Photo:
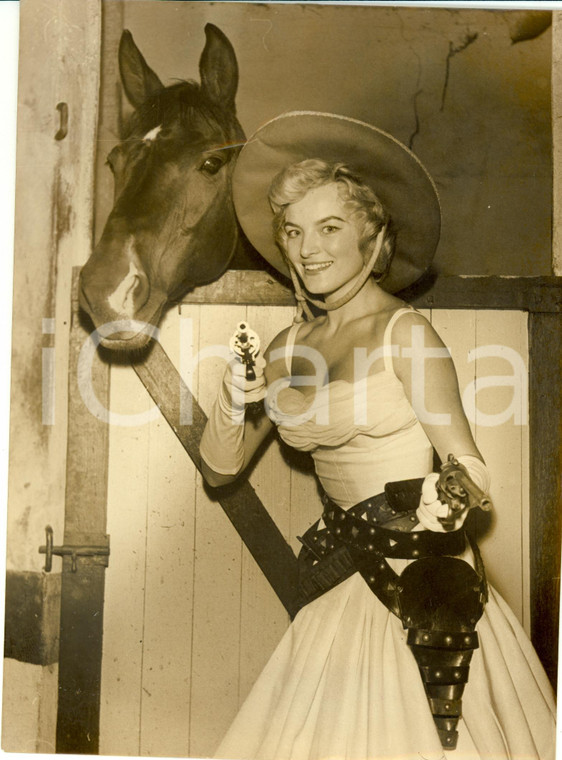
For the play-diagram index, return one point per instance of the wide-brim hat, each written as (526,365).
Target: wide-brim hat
(395,174)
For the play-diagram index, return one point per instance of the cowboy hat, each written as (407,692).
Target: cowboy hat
(398,178)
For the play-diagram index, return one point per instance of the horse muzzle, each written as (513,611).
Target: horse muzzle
(123,332)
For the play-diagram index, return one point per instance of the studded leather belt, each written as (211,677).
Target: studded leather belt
(371,538)
(354,539)
(438,598)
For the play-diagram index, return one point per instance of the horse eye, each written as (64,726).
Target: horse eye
(211,165)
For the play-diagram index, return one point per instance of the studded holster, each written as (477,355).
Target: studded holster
(439,598)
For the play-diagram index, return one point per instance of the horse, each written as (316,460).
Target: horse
(172,225)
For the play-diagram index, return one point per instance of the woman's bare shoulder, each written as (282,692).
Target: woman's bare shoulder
(402,330)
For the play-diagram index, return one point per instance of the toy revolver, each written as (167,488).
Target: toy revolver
(245,343)
(456,488)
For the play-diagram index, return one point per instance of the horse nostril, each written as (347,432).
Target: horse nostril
(137,293)
(139,290)
(131,293)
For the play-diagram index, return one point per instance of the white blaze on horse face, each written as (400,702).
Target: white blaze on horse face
(122,300)
(153,134)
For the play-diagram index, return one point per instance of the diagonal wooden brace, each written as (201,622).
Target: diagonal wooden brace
(242,505)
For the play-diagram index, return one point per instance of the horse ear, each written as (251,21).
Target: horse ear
(218,67)
(138,78)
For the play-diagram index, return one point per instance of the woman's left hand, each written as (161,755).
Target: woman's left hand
(432,511)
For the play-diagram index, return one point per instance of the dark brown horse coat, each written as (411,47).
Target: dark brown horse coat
(173,225)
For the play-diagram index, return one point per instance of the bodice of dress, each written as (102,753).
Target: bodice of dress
(361,435)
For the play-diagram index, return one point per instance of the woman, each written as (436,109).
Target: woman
(395,603)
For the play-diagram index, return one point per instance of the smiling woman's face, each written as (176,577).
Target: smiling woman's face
(322,241)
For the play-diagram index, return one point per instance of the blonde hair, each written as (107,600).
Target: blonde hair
(292,184)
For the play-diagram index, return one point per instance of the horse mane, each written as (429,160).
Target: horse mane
(183,102)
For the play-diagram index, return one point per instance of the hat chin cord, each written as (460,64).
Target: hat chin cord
(303,310)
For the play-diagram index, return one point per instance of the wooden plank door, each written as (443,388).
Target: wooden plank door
(193,599)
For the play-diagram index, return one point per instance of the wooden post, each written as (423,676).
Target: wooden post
(557,142)
(82,592)
(545,411)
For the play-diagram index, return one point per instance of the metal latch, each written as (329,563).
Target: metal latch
(72,551)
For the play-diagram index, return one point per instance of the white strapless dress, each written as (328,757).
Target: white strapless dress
(342,683)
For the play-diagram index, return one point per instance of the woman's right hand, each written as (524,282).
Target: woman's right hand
(237,391)
(227,443)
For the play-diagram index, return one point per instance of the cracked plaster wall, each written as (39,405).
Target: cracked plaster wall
(473,105)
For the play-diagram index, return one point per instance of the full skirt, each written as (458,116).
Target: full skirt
(343,684)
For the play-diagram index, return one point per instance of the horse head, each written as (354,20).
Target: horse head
(172,225)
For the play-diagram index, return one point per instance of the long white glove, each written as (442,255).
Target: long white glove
(222,443)
(431,508)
